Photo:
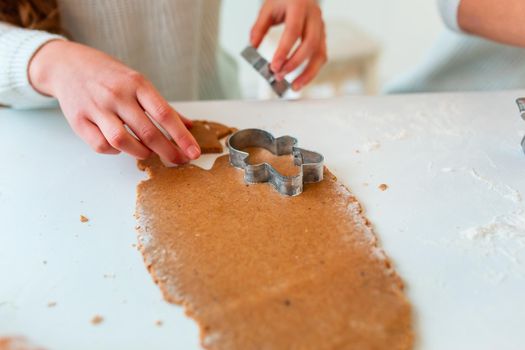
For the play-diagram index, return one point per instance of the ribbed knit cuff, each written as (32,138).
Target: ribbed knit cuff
(18,47)
(449,13)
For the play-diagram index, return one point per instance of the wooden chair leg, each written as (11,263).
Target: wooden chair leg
(369,76)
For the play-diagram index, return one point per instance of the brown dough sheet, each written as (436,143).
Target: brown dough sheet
(258,270)
(208,135)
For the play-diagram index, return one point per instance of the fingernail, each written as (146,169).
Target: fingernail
(193,151)
(297,86)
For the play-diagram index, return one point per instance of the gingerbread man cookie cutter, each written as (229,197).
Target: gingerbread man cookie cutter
(310,163)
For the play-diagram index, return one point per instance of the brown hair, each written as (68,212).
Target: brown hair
(32,14)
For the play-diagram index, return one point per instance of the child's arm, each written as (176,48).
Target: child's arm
(500,20)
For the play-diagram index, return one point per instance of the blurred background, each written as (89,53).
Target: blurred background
(369,42)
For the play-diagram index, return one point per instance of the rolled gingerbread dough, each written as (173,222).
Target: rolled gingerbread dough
(259,270)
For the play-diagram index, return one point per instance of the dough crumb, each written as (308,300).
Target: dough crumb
(52,304)
(96,320)
(159,323)
(383,187)
(83,218)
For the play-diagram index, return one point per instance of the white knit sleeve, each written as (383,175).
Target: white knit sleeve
(449,13)
(17,47)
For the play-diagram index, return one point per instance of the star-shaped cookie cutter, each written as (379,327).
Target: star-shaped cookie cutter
(310,163)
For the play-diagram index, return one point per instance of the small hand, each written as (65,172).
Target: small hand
(100,97)
(303,20)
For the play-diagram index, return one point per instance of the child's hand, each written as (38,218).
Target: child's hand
(99,95)
(302,20)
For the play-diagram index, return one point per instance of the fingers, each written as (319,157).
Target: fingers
(118,137)
(187,122)
(262,25)
(310,71)
(92,135)
(293,29)
(135,118)
(153,103)
(310,44)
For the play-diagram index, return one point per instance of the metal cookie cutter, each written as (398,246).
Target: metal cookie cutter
(521,106)
(311,163)
(261,65)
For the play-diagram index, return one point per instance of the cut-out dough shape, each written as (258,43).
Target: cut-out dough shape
(284,164)
(310,163)
(208,135)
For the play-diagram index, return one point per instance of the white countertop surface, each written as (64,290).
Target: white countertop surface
(451,161)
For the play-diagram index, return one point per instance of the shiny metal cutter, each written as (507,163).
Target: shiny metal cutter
(261,65)
(311,163)
(521,106)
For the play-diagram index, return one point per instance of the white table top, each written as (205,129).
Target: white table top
(452,162)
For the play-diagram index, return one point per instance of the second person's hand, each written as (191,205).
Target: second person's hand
(302,20)
(99,96)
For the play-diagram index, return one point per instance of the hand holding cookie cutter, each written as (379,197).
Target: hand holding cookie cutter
(311,163)
(261,65)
